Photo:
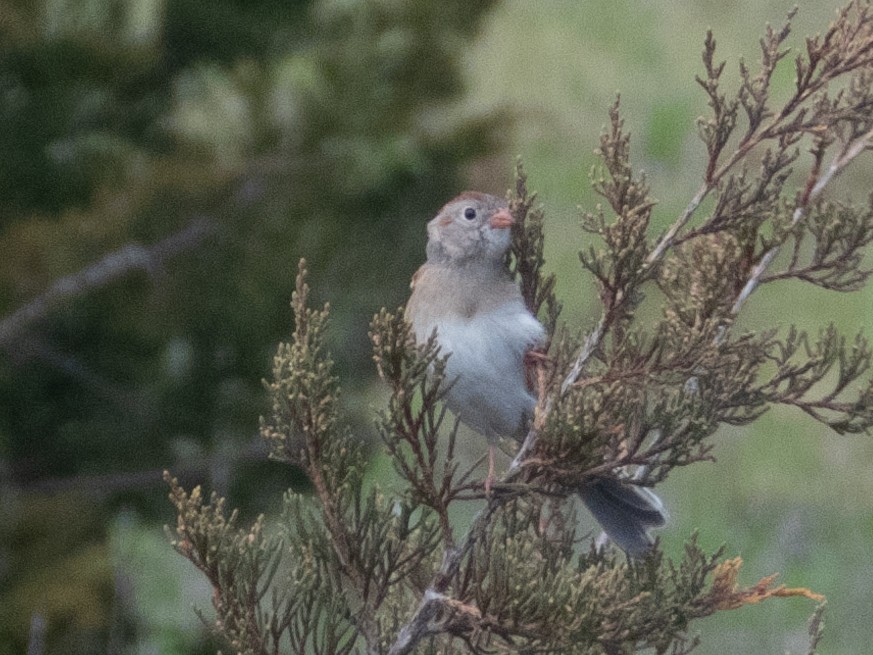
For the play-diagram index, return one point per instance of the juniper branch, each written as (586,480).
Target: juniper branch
(849,152)
(852,31)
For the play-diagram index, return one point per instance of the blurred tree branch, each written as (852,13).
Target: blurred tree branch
(107,484)
(117,264)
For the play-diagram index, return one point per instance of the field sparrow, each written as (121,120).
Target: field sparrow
(467,295)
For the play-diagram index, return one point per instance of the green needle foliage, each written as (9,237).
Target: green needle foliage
(360,569)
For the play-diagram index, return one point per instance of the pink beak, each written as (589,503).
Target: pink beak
(501,220)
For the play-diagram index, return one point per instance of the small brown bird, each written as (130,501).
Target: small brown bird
(467,295)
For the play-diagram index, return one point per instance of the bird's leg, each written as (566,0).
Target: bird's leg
(533,357)
(489,479)
(535,364)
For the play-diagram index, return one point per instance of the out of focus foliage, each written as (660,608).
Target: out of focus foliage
(276,126)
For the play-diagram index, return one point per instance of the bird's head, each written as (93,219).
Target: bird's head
(472,228)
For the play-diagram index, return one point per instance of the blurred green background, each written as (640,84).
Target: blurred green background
(252,133)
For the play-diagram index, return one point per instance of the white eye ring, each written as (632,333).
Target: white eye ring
(469,213)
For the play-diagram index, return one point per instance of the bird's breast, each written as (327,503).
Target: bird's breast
(483,325)
(486,367)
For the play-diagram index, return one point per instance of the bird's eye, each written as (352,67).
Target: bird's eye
(469,213)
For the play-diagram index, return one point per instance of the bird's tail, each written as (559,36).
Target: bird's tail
(626,512)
